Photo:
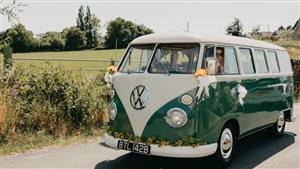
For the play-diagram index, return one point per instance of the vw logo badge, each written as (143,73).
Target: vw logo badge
(139,97)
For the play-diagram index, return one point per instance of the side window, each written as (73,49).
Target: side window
(261,63)
(246,61)
(273,62)
(226,62)
(284,61)
(230,63)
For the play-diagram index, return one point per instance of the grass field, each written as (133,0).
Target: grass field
(292,46)
(86,54)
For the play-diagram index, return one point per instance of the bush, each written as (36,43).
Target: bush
(49,100)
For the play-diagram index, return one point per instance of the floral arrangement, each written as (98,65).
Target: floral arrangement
(185,141)
(201,72)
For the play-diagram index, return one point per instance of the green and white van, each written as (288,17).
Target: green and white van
(167,98)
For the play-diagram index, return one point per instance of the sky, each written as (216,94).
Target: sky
(204,17)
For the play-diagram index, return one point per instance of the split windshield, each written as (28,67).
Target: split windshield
(168,58)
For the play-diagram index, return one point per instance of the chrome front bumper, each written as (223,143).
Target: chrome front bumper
(293,118)
(171,151)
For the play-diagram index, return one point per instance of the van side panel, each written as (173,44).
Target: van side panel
(214,110)
(261,103)
(266,97)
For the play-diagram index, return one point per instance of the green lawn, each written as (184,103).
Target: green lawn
(86,54)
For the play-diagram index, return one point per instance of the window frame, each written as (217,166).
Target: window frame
(277,61)
(265,57)
(252,60)
(159,44)
(235,52)
(215,47)
(203,52)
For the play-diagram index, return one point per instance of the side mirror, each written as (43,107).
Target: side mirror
(210,65)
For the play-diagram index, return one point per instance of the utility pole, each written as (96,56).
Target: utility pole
(268,27)
(188,27)
(116,44)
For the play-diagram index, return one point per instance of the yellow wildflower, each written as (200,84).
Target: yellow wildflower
(200,72)
(112,69)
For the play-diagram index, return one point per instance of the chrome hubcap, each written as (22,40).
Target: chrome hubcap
(226,143)
(280,122)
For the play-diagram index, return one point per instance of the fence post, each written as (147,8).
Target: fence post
(112,61)
(7,63)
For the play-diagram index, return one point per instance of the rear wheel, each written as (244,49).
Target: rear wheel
(226,146)
(278,128)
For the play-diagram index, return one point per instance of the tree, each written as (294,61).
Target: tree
(75,39)
(20,39)
(281,28)
(289,27)
(121,32)
(11,10)
(95,30)
(235,28)
(80,19)
(90,24)
(88,28)
(51,41)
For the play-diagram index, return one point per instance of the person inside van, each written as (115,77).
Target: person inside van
(220,60)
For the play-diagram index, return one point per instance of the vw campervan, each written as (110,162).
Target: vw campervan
(181,95)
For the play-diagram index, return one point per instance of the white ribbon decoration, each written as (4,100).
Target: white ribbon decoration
(204,82)
(242,92)
(109,78)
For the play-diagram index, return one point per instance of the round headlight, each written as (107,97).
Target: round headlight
(113,111)
(187,99)
(289,89)
(176,117)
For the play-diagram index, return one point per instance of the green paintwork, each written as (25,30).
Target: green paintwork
(207,115)
(263,102)
(157,126)
(221,105)
(121,123)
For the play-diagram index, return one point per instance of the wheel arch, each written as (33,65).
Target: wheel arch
(234,122)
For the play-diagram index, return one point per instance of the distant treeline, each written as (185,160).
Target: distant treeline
(85,35)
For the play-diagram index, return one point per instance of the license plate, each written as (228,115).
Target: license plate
(135,147)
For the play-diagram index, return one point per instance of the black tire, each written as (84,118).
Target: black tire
(277,129)
(224,160)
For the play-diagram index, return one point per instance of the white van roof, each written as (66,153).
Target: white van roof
(192,38)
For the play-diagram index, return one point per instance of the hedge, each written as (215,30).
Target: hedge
(50,100)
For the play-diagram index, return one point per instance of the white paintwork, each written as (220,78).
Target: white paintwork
(162,89)
(171,151)
(192,38)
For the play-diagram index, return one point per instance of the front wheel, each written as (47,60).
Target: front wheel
(278,128)
(226,146)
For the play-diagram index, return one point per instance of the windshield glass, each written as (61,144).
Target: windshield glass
(137,59)
(175,58)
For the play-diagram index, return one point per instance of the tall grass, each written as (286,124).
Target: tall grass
(49,100)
